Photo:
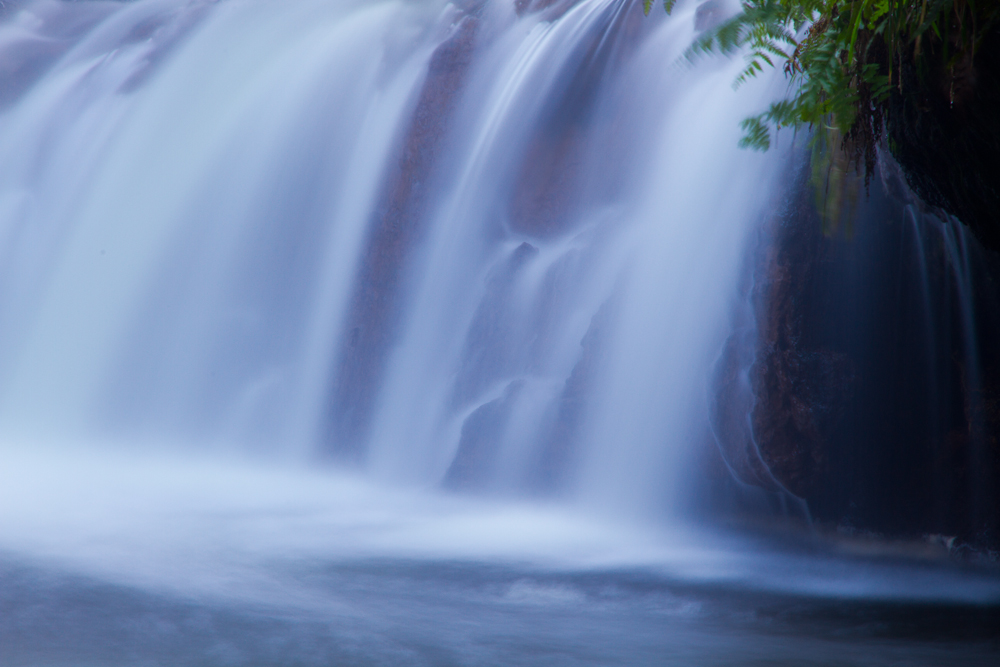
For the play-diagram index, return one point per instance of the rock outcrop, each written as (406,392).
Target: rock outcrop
(399,225)
(866,380)
(944,130)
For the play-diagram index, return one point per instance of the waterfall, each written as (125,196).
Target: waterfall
(486,246)
(415,332)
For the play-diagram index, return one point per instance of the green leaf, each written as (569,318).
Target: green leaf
(756,135)
(881,8)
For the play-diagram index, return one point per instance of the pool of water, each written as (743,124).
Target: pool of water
(391,612)
(122,559)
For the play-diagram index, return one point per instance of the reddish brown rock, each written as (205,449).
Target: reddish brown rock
(798,389)
(861,376)
(399,225)
(552,174)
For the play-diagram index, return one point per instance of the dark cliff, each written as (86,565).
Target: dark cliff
(944,130)
(868,385)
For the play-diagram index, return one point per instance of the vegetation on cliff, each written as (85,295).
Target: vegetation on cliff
(857,68)
(843,57)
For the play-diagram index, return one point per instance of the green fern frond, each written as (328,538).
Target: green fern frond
(839,57)
(756,134)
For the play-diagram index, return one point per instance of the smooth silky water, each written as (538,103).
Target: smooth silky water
(379,333)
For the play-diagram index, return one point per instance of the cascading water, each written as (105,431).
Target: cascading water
(195,190)
(490,248)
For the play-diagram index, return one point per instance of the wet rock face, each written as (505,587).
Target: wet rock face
(540,201)
(480,442)
(945,132)
(864,377)
(545,196)
(398,227)
(779,390)
(559,451)
(800,387)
